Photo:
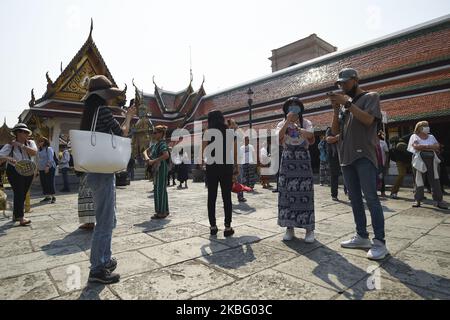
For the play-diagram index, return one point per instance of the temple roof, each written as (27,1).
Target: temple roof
(163,103)
(5,134)
(71,84)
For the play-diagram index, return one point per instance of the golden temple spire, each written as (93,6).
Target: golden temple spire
(33,99)
(49,81)
(92,28)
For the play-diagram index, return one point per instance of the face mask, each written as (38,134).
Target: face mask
(426,130)
(295,109)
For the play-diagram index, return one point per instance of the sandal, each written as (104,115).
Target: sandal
(213,230)
(24,223)
(228,232)
(158,216)
(87,226)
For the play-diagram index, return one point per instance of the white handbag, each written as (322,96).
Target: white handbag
(97,152)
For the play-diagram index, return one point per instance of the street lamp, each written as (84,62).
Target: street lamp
(250,102)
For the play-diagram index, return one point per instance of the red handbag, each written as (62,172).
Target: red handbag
(237,187)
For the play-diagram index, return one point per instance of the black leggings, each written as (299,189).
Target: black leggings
(48,182)
(20,186)
(222,174)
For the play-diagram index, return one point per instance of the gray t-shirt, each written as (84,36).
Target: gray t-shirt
(356,139)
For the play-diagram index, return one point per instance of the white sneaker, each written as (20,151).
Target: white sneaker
(309,237)
(357,242)
(378,251)
(290,234)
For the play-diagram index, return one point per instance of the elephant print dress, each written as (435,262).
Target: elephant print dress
(295,181)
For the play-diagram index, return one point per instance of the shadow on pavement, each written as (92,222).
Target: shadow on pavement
(229,258)
(79,241)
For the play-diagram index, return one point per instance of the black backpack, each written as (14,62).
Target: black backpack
(55,158)
(71,161)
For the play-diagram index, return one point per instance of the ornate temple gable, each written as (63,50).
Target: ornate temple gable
(71,83)
(192,102)
(172,102)
(75,87)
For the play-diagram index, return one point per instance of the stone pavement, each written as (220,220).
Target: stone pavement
(177,259)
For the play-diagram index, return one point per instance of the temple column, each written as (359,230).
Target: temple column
(54,143)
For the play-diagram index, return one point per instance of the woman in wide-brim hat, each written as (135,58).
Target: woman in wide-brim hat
(159,153)
(21,148)
(101,94)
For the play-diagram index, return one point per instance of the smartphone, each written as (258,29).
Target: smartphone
(131,102)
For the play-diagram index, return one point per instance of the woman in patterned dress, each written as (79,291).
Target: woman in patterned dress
(86,211)
(295,182)
(159,153)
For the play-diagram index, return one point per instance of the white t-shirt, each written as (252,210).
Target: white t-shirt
(292,136)
(18,153)
(176,159)
(264,156)
(246,154)
(415,138)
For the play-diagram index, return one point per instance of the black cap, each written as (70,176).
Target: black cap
(347,74)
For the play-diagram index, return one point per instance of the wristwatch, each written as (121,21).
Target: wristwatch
(348,104)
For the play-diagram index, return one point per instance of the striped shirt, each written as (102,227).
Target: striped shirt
(106,122)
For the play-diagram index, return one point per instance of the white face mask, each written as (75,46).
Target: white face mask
(426,130)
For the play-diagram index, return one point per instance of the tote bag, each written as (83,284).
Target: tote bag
(97,152)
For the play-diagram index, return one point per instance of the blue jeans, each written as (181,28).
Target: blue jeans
(103,188)
(362,175)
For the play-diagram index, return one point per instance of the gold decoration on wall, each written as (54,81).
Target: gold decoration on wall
(78,84)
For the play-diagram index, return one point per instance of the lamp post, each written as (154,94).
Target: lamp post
(250,102)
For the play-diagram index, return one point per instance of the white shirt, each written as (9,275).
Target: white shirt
(176,159)
(18,153)
(185,159)
(246,154)
(292,136)
(263,156)
(415,138)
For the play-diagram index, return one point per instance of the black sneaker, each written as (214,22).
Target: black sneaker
(104,277)
(213,230)
(53,200)
(111,265)
(228,233)
(46,199)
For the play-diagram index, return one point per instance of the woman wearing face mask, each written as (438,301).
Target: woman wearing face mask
(295,182)
(425,162)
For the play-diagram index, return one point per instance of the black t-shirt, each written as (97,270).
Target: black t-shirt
(226,159)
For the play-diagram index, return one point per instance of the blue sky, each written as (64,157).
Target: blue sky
(230,40)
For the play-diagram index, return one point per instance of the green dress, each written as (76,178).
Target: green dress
(160,178)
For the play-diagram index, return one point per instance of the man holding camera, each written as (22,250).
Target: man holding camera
(356,117)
